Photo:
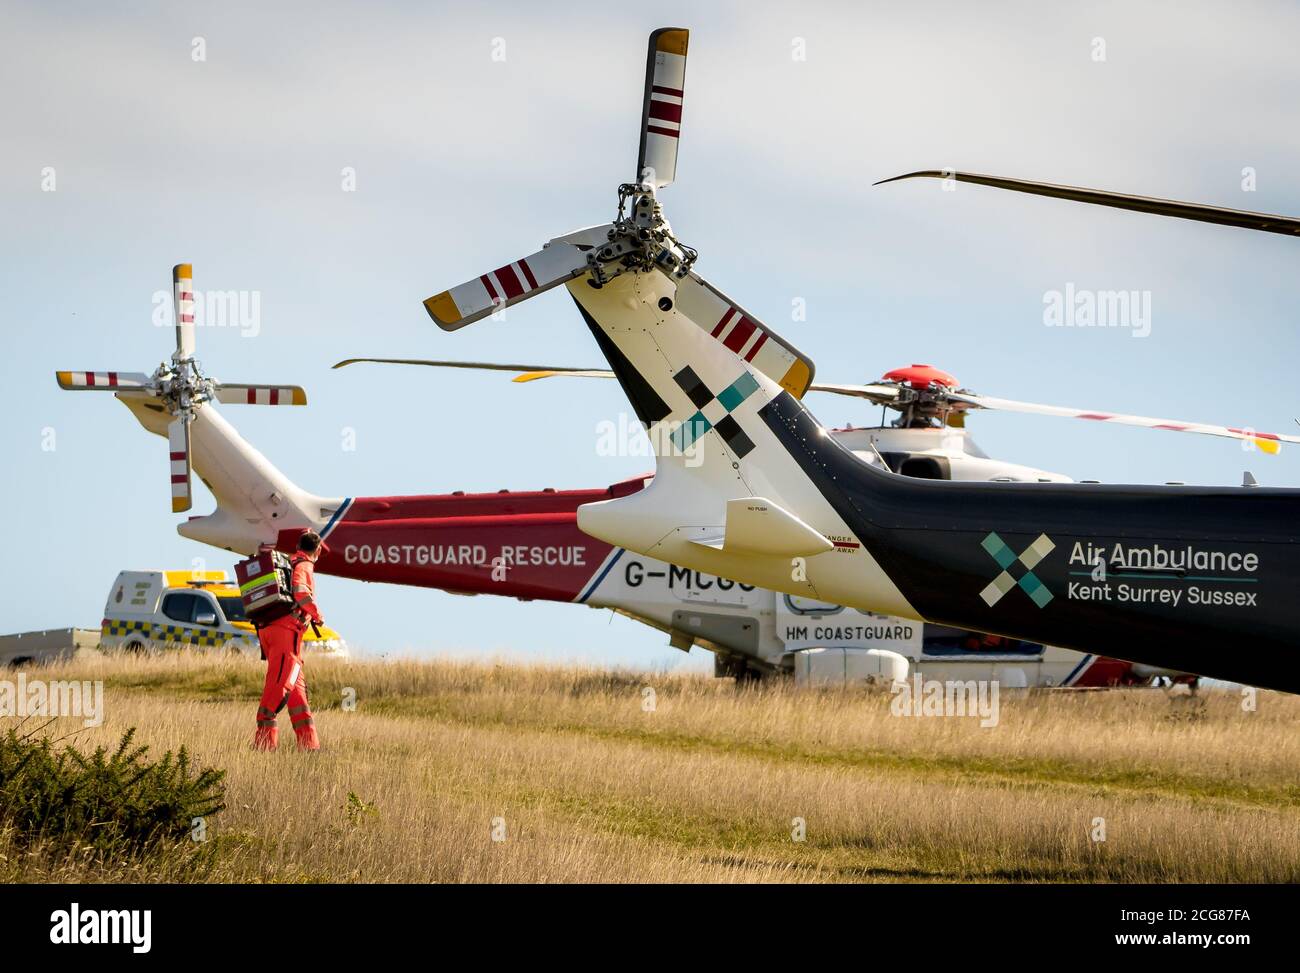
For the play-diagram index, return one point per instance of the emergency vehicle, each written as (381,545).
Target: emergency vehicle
(149,611)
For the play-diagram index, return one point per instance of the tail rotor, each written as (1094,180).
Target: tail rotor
(638,239)
(181,389)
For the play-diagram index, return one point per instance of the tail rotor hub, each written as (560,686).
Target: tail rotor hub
(640,239)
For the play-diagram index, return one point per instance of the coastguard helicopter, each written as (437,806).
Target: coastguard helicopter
(1174,577)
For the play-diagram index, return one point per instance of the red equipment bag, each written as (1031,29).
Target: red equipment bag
(266,586)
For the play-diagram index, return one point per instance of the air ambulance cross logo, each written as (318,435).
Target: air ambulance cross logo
(998,550)
(714,411)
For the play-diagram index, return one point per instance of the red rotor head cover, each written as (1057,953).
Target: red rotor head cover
(921,377)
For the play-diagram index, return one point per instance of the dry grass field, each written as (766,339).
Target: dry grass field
(585,784)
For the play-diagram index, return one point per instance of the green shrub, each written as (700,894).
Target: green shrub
(114,803)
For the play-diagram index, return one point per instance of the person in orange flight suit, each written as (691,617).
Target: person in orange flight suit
(286,684)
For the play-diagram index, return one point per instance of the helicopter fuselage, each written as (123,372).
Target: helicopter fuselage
(1190,576)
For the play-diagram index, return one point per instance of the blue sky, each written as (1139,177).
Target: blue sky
(464,161)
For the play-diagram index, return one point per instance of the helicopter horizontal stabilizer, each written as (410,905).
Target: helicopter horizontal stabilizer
(757,526)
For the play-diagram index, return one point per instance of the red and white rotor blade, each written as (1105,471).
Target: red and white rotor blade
(476,299)
(104,381)
(1267,441)
(178,448)
(232,393)
(661,109)
(183,306)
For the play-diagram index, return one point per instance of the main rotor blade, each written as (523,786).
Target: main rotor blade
(232,393)
(661,107)
(183,307)
(880,394)
(178,447)
(532,376)
(1268,442)
(104,381)
(1200,212)
(527,373)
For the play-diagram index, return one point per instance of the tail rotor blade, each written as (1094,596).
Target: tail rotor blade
(183,305)
(178,446)
(103,381)
(475,299)
(232,393)
(661,108)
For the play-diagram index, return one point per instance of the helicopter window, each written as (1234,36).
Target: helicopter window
(800,605)
(952,642)
(892,460)
(924,468)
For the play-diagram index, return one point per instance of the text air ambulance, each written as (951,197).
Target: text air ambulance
(153,610)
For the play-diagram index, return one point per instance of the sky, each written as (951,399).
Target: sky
(475,133)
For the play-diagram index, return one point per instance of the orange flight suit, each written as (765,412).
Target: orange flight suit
(285,682)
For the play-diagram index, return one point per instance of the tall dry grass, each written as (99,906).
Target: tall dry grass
(587,783)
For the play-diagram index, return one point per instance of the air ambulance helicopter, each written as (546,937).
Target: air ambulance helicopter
(527,544)
(1174,577)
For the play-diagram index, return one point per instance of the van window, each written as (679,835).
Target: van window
(180,605)
(203,606)
(233,606)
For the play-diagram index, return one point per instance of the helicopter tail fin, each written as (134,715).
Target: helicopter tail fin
(728,497)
